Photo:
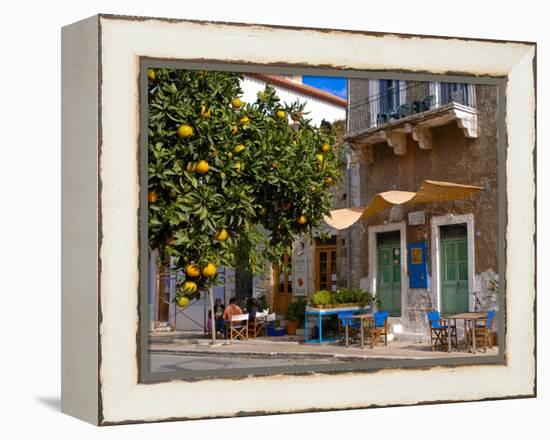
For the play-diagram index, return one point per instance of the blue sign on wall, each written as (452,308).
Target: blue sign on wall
(418,265)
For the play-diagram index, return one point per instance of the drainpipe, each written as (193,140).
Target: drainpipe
(348,158)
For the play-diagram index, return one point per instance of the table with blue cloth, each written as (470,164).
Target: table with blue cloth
(324,326)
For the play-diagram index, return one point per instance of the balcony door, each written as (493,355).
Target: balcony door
(389,95)
(454,92)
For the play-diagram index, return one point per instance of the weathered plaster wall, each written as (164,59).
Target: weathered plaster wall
(454,158)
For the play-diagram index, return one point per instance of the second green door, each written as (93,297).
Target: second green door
(388,286)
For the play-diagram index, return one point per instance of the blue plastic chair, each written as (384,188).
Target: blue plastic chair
(486,332)
(342,317)
(353,325)
(380,326)
(439,331)
(380,318)
(435,320)
(490,316)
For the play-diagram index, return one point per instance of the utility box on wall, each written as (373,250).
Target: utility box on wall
(418,265)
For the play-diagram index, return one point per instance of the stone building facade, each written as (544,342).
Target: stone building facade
(404,133)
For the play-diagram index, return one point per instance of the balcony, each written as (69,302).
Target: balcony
(414,108)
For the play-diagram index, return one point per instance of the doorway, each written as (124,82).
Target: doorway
(282,296)
(325,264)
(454,268)
(388,279)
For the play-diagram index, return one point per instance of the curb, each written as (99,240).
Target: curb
(279,355)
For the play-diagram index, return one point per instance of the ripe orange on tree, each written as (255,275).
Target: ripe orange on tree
(244,120)
(221,235)
(325,148)
(209,270)
(185,131)
(236,103)
(239,148)
(151,75)
(202,167)
(183,301)
(301,220)
(192,270)
(190,287)
(152,196)
(281,114)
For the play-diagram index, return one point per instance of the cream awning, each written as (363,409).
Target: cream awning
(429,191)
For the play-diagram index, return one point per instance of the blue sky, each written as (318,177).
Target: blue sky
(334,85)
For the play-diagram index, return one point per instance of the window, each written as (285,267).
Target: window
(454,92)
(389,95)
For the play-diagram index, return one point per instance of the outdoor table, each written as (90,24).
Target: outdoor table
(466,317)
(319,314)
(361,317)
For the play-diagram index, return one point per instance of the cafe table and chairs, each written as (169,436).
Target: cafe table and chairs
(322,325)
(470,320)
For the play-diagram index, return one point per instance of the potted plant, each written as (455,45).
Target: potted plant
(294,315)
(322,299)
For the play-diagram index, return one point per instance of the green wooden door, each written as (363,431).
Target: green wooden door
(454,271)
(388,287)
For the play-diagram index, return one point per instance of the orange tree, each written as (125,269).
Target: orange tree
(227,176)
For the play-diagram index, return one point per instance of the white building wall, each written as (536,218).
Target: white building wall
(318,110)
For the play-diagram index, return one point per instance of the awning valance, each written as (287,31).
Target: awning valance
(429,191)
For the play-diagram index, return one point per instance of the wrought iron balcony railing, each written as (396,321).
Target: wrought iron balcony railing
(395,103)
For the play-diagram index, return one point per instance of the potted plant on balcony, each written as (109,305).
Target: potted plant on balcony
(294,315)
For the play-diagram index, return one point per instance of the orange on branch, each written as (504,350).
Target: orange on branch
(183,301)
(202,167)
(190,287)
(209,270)
(221,235)
(301,220)
(151,75)
(204,113)
(152,197)
(325,148)
(185,131)
(192,270)
(236,103)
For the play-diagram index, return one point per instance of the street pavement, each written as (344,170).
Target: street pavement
(160,363)
(182,354)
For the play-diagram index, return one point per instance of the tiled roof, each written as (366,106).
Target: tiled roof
(304,89)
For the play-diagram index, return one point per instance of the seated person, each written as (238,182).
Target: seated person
(232,309)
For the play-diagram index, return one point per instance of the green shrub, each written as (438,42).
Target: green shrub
(322,298)
(358,296)
(296,310)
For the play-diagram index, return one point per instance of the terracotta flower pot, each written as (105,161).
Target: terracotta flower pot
(291,327)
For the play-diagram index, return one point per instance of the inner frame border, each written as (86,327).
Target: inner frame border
(371,366)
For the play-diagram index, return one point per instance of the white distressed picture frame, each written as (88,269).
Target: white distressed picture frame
(101,199)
